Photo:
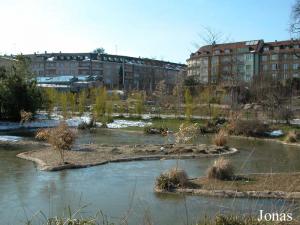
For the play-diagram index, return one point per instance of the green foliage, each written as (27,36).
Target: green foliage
(64,104)
(99,50)
(82,102)
(50,99)
(109,110)
(72,102)
(139,105)
(100,104)
(18,91)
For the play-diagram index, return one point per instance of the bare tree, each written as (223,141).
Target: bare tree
(295,19)
(210,36)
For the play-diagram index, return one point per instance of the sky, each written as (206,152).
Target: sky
(162,29)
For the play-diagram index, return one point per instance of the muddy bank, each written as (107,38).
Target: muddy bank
(92,155)
(276,185)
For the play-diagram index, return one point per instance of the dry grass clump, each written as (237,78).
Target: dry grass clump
(222,169)
(237,220)
(220,139)
(291,137)
(174,178)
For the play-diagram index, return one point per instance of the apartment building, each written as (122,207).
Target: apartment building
(233,63)
(6,61)
(115,71)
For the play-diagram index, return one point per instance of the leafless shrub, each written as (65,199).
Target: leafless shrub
(187,132)
(222,169)
(171,179)
(25,116)
(254,128)
(61,138)
(43,134)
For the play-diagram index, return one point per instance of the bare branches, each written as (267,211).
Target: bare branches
(210,36)
(295,19)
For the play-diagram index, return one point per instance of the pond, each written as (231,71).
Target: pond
(118,189)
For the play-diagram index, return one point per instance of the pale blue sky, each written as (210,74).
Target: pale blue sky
(147,28)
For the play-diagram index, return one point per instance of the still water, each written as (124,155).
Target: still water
(120,189)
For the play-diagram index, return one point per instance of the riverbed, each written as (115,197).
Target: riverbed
(119,188)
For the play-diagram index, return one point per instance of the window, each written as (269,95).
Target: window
(295,66)
(276,48)
(265,67)
(266,49)
(264,58)
(295,57)
(274,57)
(248,57)
(217,51)
(285,66)
(226,59)
(248,67)
(227,51)
(225,68)
(285,56)
(274,66)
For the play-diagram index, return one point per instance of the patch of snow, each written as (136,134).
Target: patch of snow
(127,123)
(7,138)
(276,133)
(146,117)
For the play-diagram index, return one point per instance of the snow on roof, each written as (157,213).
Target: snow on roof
(56,79)
(53,85)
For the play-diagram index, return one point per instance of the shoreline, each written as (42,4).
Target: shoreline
(100,155)
(233,193)
(237,189)
(265,139)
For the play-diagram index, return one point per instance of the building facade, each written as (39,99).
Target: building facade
(116,72)
(232,63)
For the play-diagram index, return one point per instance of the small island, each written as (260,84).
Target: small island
(220,181)
(92,155)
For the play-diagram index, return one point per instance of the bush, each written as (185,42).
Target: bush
(254,128)
(220,139)
(155,130)
(222,169)
(18,91)
(187,132)
(43,134)
(61,138)
(291,137)
(171,179)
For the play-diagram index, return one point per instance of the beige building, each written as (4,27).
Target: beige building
(116,72)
